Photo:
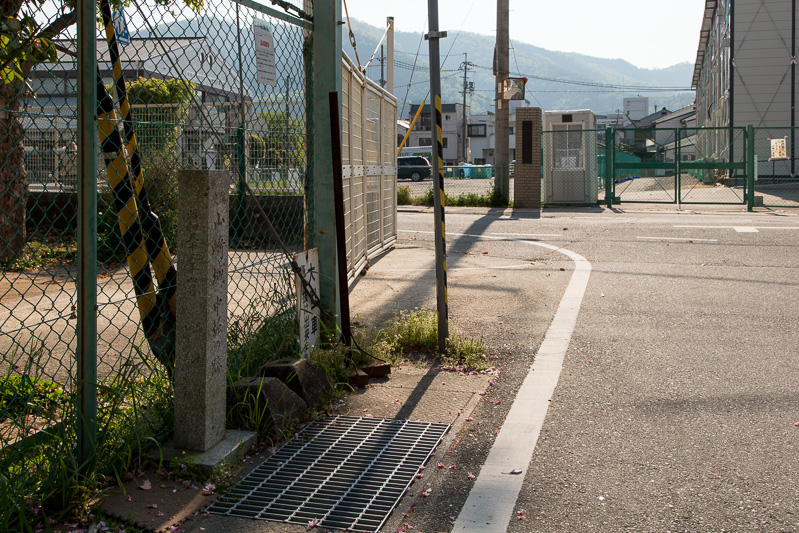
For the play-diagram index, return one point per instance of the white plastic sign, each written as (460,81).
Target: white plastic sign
(264,53)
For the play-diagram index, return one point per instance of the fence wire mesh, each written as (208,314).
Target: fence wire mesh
(776,180)
(197,100)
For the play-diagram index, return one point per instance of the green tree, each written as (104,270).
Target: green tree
(282,147)
(26,39)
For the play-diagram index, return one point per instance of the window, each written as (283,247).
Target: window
(446,117)
(445,142)
(476,130)
(425,141)
(567,146)
(424,123)
(510,130)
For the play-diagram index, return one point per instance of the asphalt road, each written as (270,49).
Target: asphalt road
(676,408)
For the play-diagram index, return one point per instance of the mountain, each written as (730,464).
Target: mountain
(525,60)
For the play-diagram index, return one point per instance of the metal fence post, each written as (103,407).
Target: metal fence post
(241,185)
(87,239)
(750,167)
(610,150)
(678,171)
(326,50)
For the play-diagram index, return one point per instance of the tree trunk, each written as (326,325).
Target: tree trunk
(13,177)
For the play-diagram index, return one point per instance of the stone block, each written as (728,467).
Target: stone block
(265,399)
(376,370)
(304,378)
(357,378)
(201,338)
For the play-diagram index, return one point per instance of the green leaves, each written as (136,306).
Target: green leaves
(20,43)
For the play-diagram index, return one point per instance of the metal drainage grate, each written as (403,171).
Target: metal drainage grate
(342,473)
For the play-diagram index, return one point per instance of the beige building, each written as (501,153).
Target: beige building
(745,72)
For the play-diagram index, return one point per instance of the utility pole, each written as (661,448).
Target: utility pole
(382,71)
(433,36)
(501,151)
(465,87)
(390,53)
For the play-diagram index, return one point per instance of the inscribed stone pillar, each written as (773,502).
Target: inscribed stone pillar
(201,351)
(527,185)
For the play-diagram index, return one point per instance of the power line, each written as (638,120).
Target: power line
(635,88)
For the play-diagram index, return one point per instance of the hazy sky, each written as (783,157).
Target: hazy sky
(646,33)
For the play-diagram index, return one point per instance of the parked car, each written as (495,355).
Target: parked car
(413,167)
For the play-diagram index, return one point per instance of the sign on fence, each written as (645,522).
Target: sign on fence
(308,262)
(264,53)
(778,149)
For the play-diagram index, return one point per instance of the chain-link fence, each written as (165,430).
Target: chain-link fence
(183,91)
(776,167)
(464,185)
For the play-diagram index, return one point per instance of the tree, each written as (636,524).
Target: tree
(283,148)
(26,39)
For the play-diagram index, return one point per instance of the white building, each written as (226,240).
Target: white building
(636,108)
(482,134)
(452,121)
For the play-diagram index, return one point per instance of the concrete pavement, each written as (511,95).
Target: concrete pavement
(676,406)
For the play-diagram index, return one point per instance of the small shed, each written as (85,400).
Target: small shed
(570,158)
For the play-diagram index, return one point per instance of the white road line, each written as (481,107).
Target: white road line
(742,229)
(457,269)
(686,239)
(529,234)
(489,507)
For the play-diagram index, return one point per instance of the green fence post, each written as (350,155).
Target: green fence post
(610,150)
(86,351)
(326,53)
(241,187)
(677,170)
(750,167)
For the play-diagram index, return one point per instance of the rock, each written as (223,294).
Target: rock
(266,403)
(304,378)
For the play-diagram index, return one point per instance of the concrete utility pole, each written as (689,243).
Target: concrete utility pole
(382,68)
(501,148)
(438,176)
(465,87)
(390,55)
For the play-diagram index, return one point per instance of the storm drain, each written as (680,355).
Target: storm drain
(339,473)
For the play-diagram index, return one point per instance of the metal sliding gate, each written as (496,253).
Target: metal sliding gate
(678,166)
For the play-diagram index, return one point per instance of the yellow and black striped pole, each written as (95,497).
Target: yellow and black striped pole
(126,206)
(438,187)
(139,227)
(155,243)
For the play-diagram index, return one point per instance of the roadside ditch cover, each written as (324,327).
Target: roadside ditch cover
(340,473)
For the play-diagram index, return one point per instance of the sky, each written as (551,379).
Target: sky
(647,33)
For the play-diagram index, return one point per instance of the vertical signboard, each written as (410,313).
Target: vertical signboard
(308,262)
(264,53)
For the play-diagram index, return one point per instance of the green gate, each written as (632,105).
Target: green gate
(678,166)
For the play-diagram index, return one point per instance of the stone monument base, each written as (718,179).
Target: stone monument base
(235,444)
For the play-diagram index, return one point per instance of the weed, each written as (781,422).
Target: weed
(404,195)
(488,199)
(39,254)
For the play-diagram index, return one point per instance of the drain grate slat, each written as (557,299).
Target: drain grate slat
(343,473)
